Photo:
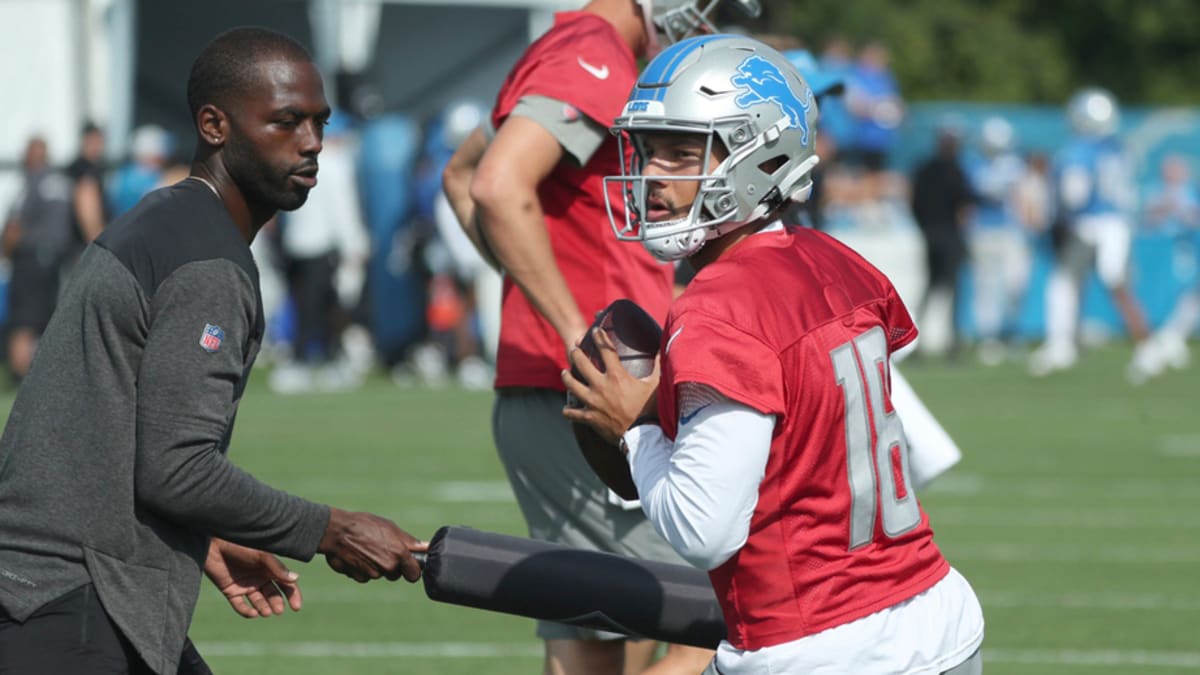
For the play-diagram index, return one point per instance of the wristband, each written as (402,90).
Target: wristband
(644,419)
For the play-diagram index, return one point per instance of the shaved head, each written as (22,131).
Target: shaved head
(229,66)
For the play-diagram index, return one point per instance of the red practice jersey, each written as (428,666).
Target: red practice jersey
(795,324)
(583,62)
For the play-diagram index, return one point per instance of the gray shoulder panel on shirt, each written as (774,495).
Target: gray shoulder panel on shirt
(579,135)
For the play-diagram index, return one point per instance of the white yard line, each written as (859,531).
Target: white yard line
(1116,658)
(1039,553)
(1059,518)
(473,492)
(1067,486)
(1090,601)
(1180,445)
(954,484)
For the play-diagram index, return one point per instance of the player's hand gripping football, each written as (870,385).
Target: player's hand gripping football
(255,583)
(613,399)
(364,546)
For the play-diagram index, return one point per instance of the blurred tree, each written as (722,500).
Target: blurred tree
(1146,52)
(1014,50)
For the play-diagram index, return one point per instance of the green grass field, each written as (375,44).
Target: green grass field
(1073,513)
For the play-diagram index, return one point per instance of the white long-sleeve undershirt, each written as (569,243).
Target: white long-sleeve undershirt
(700,491)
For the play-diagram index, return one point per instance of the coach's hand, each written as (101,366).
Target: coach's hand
(256,583)
(364,546)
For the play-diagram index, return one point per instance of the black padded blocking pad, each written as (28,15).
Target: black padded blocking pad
(497,572)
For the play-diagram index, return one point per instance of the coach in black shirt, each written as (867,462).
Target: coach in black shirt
(941,199)
(115,491)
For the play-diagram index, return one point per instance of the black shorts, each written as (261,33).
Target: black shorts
(32,293)
(73,635)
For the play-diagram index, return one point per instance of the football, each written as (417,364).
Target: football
(637,336)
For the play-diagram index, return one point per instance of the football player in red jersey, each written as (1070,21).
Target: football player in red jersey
(767,450)
(529,194)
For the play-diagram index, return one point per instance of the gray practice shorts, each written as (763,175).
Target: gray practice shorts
(972,666)
(562,500)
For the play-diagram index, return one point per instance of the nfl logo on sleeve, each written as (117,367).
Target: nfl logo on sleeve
(211,338)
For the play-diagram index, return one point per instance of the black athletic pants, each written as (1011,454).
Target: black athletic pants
(74,636)
(316,302)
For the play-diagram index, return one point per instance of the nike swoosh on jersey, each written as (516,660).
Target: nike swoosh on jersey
(600,73)
(674,335)
(684,419)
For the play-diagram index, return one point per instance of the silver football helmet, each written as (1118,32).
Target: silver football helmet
(737,92)
(679,19)
(459,119)
(1093,111)
(997,136)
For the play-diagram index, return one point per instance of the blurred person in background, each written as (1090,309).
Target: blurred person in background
(118,493)
(325,249)
(1033,201)
(150,153)
(873,99)
(86,172)
(1094,193)
(837,124)
(1174,204)
(528,189)
(1033,207)
(1174,207)
(485,282)
(941,202)
(826,87)
(999,253)
(174,170)
(465,290)
(39,236)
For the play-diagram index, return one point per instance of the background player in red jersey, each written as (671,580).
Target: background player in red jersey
(768,453)
(530,196)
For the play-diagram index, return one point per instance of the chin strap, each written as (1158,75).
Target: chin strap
(725,228)
(796,193)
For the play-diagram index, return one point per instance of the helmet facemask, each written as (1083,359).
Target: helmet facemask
(712,206)
(676,20)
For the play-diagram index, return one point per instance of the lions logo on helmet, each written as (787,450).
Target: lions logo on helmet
(763,82)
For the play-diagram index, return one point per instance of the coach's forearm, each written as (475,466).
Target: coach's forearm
(512,221)
(199,488)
